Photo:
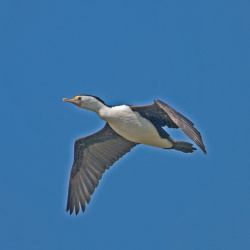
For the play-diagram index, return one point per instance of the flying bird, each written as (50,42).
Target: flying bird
(126,126)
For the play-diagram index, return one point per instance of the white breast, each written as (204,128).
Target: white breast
(133,127)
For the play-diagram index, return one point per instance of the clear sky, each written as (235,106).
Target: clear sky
(193,55)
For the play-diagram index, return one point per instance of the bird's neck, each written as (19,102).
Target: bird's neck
(96,106)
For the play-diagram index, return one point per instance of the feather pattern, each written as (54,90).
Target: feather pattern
(183,123)
(91,158)
(161,114)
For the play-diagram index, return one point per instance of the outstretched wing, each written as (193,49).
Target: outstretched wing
(92,156)
(183,123)
(161,114)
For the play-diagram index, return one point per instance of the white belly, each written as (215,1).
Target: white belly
(133,127)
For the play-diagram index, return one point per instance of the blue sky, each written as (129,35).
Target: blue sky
(194,55)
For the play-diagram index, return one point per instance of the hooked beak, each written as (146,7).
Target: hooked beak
(72,100)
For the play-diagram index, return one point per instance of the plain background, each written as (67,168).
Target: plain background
(194,55)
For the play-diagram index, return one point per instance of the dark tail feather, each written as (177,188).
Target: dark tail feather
(182,146)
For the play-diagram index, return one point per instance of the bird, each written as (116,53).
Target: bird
(126,127)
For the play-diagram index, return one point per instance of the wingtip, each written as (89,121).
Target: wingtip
(70,209)
(203,148)
(67,208)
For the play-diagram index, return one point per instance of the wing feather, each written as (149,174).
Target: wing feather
(183,123)
(93,155)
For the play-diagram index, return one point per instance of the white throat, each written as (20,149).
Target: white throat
(91,103)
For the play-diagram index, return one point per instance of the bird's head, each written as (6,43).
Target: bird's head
(86,102)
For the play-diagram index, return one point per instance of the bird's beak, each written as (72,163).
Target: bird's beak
(72,100)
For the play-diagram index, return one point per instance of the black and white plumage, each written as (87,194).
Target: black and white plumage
(126,126)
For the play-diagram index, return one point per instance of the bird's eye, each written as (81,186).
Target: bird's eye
(78,98)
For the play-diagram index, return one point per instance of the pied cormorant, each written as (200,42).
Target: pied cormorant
(126,126)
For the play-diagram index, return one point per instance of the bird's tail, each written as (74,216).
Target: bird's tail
(183,146)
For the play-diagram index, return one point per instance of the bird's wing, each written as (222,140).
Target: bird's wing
(92,156)
(183,123)
(155,114)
